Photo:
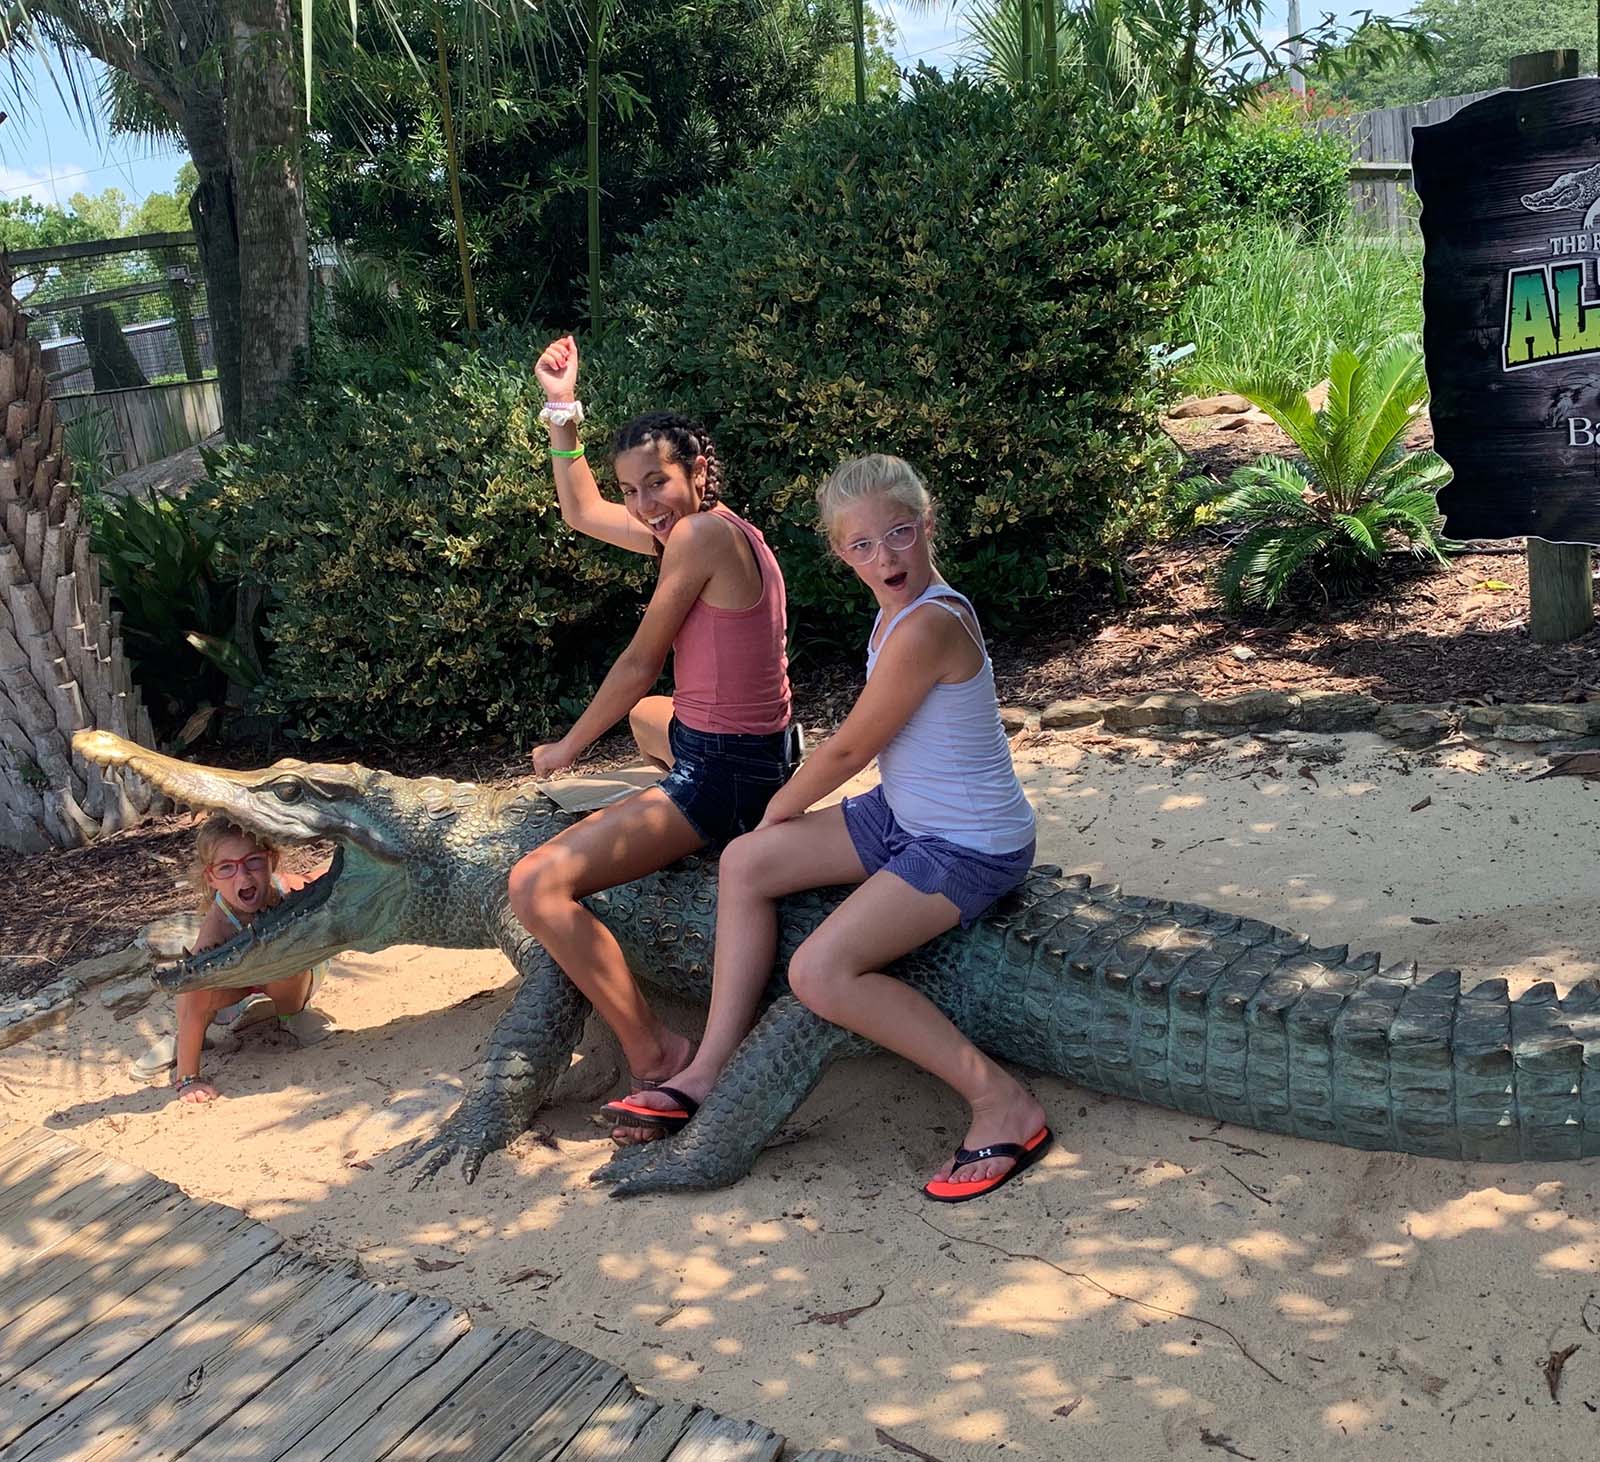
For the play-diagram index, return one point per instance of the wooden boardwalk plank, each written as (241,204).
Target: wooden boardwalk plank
(273,1420)
(47,1174)
(135,1321)
(52,1368)
(88,1254)
(362,1405)
(662,1432)
(713,1438)
(420,1398)
(98,1205)
(200,1354)
(614,1426)
(564,1412)
(534,1419)
(17,1138)
(183,1423)
(474,1407)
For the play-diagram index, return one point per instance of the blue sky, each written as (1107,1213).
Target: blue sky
(49,153)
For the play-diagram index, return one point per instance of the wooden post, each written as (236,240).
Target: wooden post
(1560,580)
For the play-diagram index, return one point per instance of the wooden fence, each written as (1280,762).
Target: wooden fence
(1380,166)
(150,422)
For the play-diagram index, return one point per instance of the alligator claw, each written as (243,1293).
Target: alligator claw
(670,1165)
(459,1137)
(624,1161)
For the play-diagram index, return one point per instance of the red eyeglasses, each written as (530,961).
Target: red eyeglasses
(256,863)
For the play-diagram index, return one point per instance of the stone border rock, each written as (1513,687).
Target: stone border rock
(1323,711)
(51,1005)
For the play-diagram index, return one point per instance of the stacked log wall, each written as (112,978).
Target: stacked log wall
(62,667)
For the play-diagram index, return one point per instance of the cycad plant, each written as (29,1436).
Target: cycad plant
(1355,493)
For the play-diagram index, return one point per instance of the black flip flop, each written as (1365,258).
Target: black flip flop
(1025,1155)
(629,1113)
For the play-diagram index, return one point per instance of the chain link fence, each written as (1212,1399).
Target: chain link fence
(117,314)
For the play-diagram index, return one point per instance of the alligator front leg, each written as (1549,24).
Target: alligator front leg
(530,1048)
(771,1073)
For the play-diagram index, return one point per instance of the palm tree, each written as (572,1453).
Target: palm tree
(61,663)
(219,74)
(1356,494)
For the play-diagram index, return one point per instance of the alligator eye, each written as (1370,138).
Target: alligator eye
(288,791)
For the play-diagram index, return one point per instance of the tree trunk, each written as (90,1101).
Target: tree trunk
(264,133)
(1188,68)
(111,363)
(216,232)
(61,664)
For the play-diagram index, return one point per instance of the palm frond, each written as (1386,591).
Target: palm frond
(1284,401)
(1390,389)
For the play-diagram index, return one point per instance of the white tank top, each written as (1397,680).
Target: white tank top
(947,772)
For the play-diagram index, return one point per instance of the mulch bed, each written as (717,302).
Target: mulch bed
(1425,634)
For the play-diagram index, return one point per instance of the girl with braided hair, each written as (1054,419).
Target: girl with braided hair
(724,734)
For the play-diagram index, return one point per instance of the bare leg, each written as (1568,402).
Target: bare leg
(195,1009)
(837,974)
(619,843)
(648,721)
(290,996)
(756,870)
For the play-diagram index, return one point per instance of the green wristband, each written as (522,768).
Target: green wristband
(561,452)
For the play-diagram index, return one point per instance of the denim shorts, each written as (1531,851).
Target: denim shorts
(723,782)
(971,880)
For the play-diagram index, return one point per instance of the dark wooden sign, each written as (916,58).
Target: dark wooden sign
(1510,192)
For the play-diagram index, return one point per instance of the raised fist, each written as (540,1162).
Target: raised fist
(557,370)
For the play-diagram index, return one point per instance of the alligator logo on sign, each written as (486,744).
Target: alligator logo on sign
(1570,190)
(1510,192)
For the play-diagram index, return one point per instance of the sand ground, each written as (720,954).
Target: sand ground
(1158,1287)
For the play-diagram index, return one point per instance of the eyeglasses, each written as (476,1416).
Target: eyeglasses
(256,863)
(896,540)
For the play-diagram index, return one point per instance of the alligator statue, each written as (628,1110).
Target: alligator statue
(1579,189)
(1224,1017)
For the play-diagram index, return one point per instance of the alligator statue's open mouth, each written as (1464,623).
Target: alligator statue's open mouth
(356,904)
(199,971)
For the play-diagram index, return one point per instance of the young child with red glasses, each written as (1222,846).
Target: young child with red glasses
(945,833)
(236,875)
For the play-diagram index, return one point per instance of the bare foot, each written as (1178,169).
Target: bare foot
(197,1091)
(1013,1117)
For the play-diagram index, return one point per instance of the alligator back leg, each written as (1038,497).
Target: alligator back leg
(773,1071)
(530,1048)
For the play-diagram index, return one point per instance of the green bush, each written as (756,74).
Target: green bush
(965,277)
(419,579)
(1270,164)
(178,591)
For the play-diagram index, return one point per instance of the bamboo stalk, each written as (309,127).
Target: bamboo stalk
(452,163)
(592,128)
(859,27)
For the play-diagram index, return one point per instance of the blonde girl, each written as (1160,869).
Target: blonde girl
(236,876)
(946,832)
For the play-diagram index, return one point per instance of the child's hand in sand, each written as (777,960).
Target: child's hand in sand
(195,1091)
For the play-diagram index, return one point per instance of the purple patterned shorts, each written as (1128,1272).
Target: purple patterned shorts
(971,880)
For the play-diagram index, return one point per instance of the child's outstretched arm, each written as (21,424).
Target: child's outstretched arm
(686,567)
(917,657)
(582,506)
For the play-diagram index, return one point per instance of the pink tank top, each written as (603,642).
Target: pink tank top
(729,666)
